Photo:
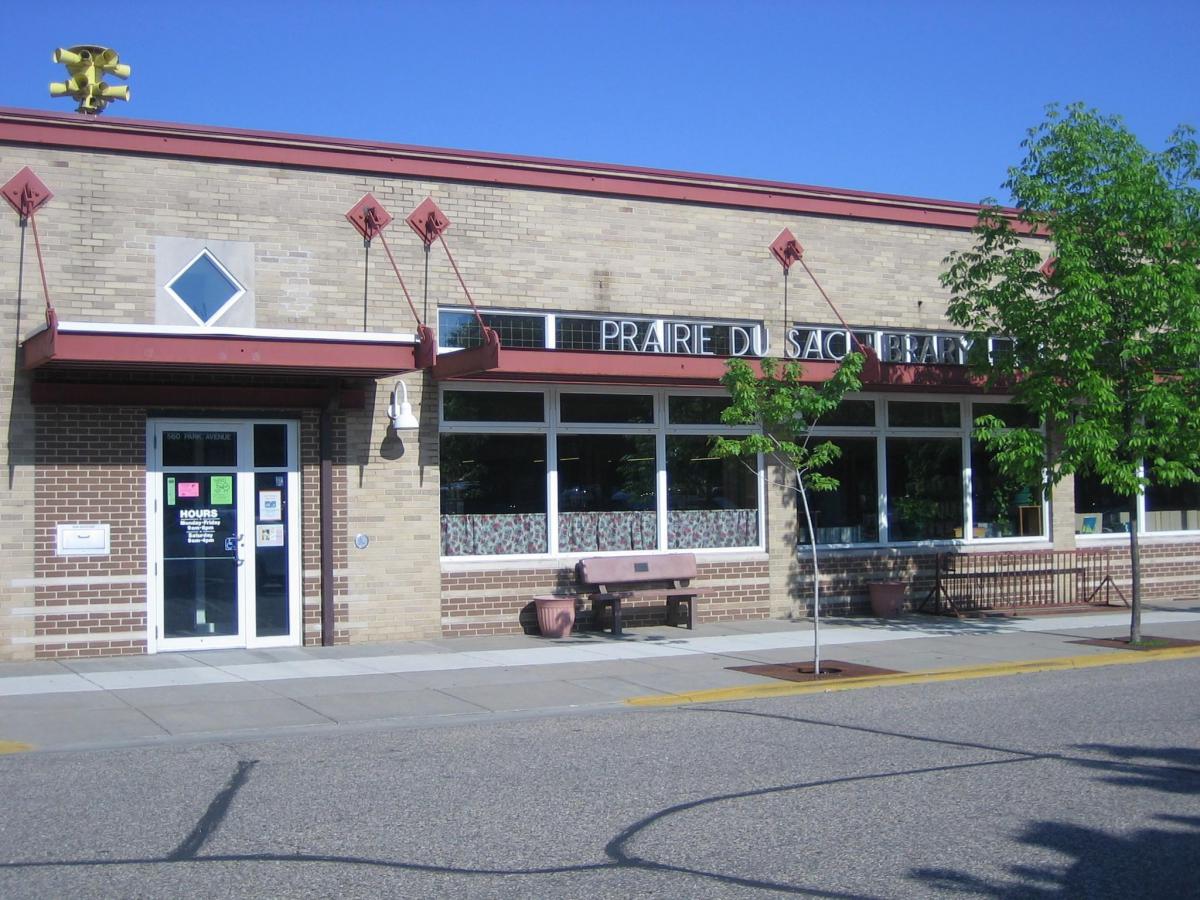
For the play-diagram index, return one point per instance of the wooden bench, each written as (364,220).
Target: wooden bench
(610,580)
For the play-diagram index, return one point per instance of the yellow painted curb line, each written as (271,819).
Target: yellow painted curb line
(992,670)
(14,747)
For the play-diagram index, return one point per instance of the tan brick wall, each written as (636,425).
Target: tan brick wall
(517,248)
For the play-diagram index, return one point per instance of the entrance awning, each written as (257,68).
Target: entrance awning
(95,346)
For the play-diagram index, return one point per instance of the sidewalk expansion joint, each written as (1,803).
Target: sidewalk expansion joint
(961,673)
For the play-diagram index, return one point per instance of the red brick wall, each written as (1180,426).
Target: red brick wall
(1170,572)
(846,574)
(500,601)
(89,467)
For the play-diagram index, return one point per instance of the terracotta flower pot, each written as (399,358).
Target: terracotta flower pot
(887,598)
(556,615)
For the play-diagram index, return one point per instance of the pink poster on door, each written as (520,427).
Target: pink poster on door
(189,489)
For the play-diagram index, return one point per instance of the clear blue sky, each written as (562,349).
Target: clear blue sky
(928,99)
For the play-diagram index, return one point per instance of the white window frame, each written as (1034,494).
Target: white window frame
(225,307)
(881,431)
(1143,514)
(552,426)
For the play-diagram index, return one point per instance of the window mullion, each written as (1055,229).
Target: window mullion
(552,491)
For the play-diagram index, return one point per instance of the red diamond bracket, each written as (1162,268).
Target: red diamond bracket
(368,216)
(428,221)
(786,249)
(26,193)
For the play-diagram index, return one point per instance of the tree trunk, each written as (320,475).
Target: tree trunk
(1135,570)
(812,542)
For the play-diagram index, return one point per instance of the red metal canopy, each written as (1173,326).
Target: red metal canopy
(613,367)
(302,353)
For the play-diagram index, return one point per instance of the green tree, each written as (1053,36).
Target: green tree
(1107,330)
(787,410)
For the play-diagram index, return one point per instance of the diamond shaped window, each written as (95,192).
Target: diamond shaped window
(205,288)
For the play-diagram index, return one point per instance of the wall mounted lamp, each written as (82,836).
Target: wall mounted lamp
(400,410)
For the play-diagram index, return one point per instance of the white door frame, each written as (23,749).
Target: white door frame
(246,504)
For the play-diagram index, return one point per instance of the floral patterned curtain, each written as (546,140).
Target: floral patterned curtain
(689,529)
(493,535)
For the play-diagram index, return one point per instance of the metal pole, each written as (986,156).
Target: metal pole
(326,499)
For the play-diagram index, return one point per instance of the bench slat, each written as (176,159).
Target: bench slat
(621,569)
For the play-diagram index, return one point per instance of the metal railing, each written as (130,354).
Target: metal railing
(1021,580)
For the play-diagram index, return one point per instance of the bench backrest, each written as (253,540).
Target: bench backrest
(635,569)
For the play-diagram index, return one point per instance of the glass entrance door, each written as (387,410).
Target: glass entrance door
(223,534)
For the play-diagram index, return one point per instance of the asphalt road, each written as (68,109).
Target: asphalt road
(1063,784)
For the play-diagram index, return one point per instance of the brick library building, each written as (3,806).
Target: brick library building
(269,390)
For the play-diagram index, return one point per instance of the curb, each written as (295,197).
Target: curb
(991,670)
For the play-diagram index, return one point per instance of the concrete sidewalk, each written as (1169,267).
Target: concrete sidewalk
(94,703)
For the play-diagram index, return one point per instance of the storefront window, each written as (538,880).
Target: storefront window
(493,494)
(711,502)
(1000,506)
(902,414)
(696,410)
(606,497)
(458,328)
(925,488)
(850,513)
(1173,508)
(856,413)
(493,406)
(621,409)
(609,452)
(1098,510)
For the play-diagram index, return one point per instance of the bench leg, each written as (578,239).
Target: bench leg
(673,610)
(616,613)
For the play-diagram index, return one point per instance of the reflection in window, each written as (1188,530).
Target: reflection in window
(493,494)
(609,408)
(1173,508)
(1001,507)
(711,502)
(1098,509)
(687,410)
(205,288)
(606,496)
(903,414)
(850,513)
(925,494)
(199,448)
(461,329)
(850,412)
(493,406)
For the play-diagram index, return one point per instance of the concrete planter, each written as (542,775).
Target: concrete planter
(556,615)
(887,598)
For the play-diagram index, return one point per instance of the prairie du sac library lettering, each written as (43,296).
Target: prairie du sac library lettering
(707,337)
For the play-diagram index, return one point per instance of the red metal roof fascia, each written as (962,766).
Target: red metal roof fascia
(57,347)
(610,367)
(325,153)
(598,367)
(186,395)
(933,379)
